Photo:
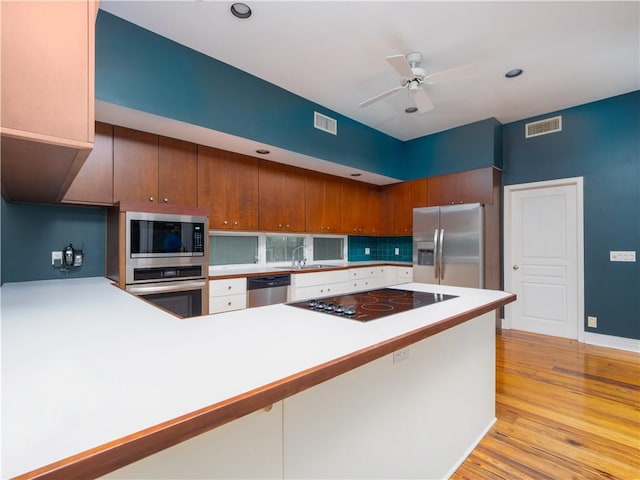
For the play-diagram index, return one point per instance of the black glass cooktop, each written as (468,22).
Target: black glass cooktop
(372,304)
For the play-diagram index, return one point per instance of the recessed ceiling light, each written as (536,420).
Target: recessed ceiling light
(516,72)
(356,174)
(411,109)
(240,10)
(263,151)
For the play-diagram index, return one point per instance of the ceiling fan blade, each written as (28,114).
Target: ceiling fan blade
(380,96)
(400,65)
(423,102)
(464,71)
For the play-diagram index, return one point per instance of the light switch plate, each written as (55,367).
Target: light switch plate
(367,251)
(397,251)
(592,322)
(622,256)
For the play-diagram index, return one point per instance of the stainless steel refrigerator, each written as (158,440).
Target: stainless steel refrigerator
(448,245)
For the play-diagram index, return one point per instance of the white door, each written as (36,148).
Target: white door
(543,257)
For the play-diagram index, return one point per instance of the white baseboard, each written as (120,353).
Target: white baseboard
(599,339)
(610,341)
(469,450)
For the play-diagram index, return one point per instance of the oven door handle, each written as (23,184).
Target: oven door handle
(165,287)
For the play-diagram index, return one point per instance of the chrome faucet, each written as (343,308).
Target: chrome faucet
(300,262)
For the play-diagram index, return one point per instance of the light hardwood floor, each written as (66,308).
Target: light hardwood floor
(565,410)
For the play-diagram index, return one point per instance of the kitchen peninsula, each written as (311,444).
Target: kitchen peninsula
(105,379)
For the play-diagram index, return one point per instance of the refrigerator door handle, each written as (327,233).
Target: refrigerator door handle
(441,252)
(436,270)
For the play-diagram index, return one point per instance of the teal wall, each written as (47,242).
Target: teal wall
(31,232)
(138,69)
(472,146)
(601,142)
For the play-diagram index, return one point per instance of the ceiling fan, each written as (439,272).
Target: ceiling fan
(414,77)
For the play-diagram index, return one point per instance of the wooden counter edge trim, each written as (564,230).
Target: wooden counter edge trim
(113,455)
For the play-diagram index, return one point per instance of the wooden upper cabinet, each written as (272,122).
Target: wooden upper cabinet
(406,197)
(228,187)
(48,71)
(47,96)
(151,168)
(358,208)
(135,165)
(323,195)
(177,172)
(375,211)
(94,182)
(282,197)
(472,186)
(387,205)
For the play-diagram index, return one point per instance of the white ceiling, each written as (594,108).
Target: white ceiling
(333,53)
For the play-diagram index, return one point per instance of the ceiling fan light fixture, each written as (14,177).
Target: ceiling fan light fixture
(240,10)
(516,72)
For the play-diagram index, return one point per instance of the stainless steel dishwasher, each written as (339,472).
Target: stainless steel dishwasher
(267,290)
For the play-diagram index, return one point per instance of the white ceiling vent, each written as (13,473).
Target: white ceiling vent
(324,123)
(543,127)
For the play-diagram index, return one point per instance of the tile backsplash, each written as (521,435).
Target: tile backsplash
(380,248)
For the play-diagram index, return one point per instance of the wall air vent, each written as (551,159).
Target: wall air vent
(543,127)
(324,123)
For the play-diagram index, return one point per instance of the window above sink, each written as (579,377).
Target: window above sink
(250,249)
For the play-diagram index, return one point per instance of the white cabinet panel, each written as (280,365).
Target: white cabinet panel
(366,272)
(227,303)
(227,295)
(228,286)
(318,278)
(250,447)
(405,274)
(316,291)
(411,419)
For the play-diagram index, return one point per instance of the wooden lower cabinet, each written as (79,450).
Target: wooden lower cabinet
(228,188)
(282,197)
(94,182)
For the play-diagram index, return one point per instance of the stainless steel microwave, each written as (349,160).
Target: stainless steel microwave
(165,246)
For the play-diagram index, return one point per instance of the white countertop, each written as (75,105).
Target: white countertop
(220,271)
(84,363)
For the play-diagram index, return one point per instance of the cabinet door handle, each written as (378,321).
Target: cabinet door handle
(235,223)
(151,199)
(225,222)
(166,200)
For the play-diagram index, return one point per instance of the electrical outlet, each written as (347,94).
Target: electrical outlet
(397,251)
(367,251)
(400,355)
(622,256)
(592,322)
(56,259)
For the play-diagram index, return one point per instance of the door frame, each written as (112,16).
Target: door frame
(508,191)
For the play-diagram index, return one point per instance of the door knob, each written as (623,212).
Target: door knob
(516,267)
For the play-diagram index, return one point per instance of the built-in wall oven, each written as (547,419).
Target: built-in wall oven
(165,259)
